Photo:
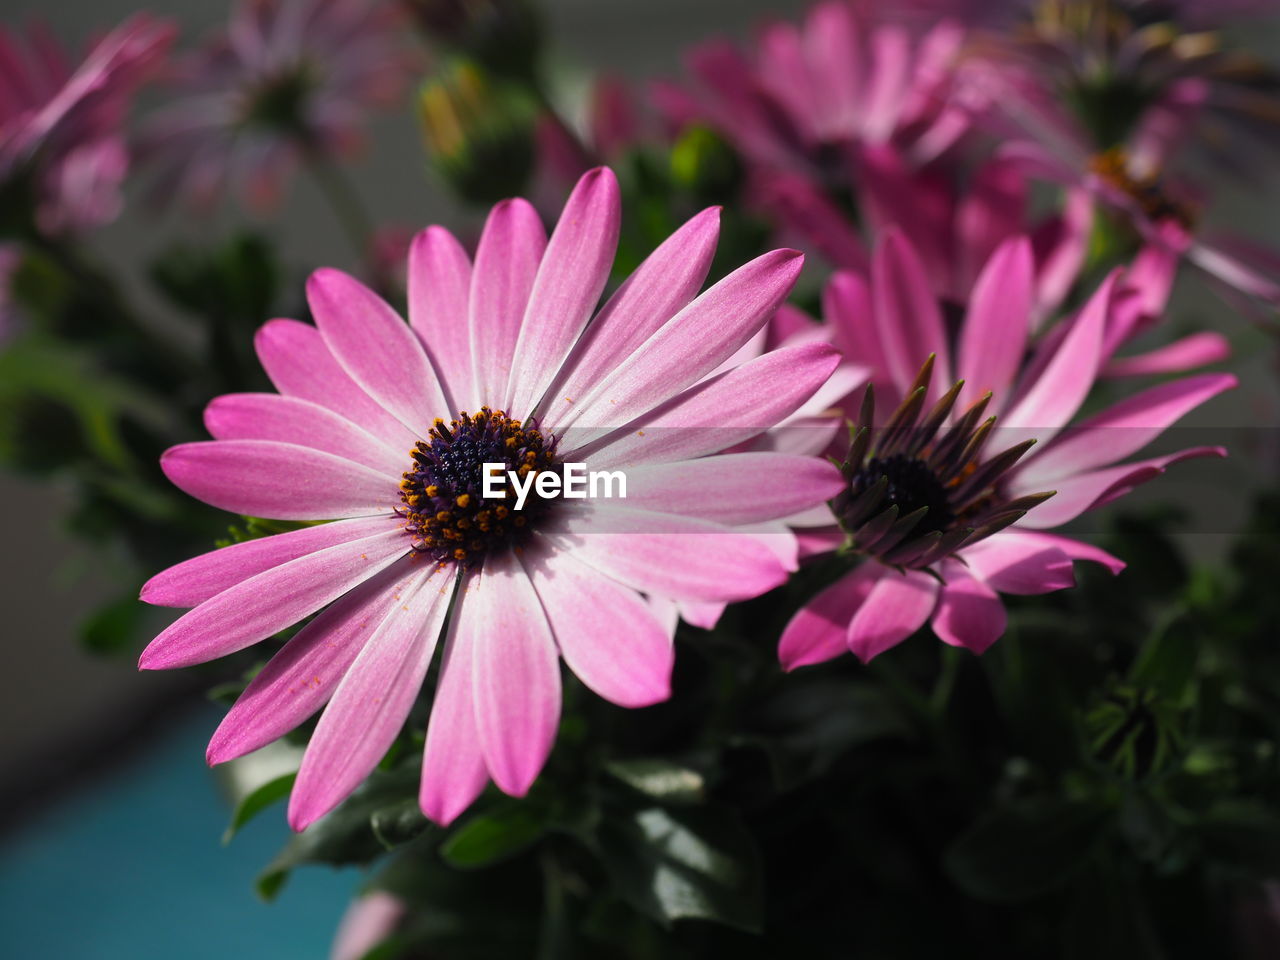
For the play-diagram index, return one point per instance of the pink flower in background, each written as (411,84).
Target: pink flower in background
(357,436)
(810,93)
(945,524)
(62,126)
(287,78)
(369,920)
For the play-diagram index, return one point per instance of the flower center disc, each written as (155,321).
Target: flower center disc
(912,485)
(442,491)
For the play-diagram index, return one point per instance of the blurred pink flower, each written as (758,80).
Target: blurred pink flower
(370,919)
(62,127)
(849,76)
(944,525)
(285,80)
(357,437)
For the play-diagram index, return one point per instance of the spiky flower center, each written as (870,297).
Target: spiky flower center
(442,491)
(1148,191)
(912,484)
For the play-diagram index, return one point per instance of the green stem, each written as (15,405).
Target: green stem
(946,682)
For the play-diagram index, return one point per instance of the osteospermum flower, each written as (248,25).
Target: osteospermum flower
(812,92)
(288,81)
(947,510)
(61,126)
(383,429)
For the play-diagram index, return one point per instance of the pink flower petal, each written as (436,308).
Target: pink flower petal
(278,481)
(372,701)
(300,365)
(734,488)
(506,263)
(439,288)
(896,606)
(887,82)
(906,314)
(1087,491)
(264,604)
(819,631)
(606,633)
(969,612)
(695,341)
(990,212)
(916,207)
(567,288)
(1074,549)
(299,680)
(1189,353)
(1013,563)
(515,673)
(717,413)
(376,348)
(1061,245)
(1120,430)
(453,770)
(994,333)
(659,288)
(196,580)
(680,557)
(1055,394)
(270,416)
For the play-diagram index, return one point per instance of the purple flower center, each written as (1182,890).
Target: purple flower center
(912,484)
(442,491)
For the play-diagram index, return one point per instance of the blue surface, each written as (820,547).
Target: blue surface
(134,868)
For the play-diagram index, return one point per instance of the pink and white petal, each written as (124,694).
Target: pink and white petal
(679,557)
(372,701)
(1075,549)
(194,581)
(694,341)
(896,606)
(376,348)
(278,481)
(819,630)
(812,543)
(970,613)
(270,416)
(734,488)
(300,365)
(990,212)
(567,288)
(887,82)
(439,289)
(453,770)
(506,264)
(994,334)
(1013,563)
(1060,246)
(704,616)
(715,414)
(1088,491)
(607,634)
(906,314)
(659,288)
(299,680)
(1189,353)
(1120,430)
(265,604)
(1049,400)
(515,673)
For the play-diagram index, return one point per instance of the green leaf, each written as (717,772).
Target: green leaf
(666,782)
(1026,849)
(1167,663)
(1244,833)
(692,862)
(498,834)
(256,801)
(398,823)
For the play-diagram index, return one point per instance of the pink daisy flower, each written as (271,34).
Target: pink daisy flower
(61,125)
(946,525)
(416,550)
(811,92)
(288,81)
